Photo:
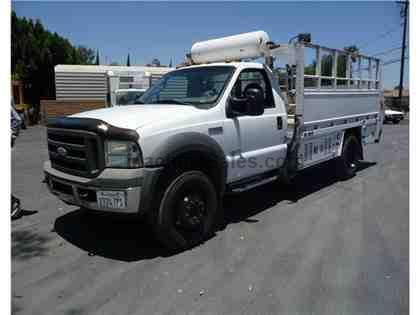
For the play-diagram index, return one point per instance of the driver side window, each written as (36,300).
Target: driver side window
(250,76)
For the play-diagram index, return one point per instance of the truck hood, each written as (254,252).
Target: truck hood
(136,116)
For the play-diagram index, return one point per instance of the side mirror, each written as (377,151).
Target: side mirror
(255,99)
(251,105)
(236,107)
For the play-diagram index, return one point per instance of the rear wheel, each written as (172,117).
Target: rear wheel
(187,211)
(348,162)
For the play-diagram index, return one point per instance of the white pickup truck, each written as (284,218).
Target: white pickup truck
(216,125)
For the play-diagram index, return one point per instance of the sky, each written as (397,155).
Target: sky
(167,30)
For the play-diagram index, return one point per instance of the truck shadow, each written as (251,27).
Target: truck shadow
(240,207)
(109,236)
(127,240)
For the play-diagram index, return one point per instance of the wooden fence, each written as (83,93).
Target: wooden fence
(57,108)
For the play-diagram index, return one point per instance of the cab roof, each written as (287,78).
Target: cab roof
(236,64)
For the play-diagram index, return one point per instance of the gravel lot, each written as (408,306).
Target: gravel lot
(320,247)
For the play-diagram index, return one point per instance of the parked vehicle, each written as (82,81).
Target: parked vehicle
(15,125)
(393,116)
(213,126)
(22,117)
(128,96)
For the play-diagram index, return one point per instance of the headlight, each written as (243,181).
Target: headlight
(122,154)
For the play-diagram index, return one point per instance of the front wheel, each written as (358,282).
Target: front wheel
(351,155)
(187,211)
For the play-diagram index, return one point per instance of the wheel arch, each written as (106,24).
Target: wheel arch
(356,132)
(192,150)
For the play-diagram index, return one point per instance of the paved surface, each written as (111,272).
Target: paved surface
(326,248)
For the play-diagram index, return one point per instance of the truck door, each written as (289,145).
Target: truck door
(258,141)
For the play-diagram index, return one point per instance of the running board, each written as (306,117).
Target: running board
(253,184)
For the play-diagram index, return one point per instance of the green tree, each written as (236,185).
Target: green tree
(327,61)
(97,58)
(85,55)
(342,60)
(34,53)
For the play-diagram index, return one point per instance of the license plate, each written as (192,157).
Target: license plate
(111,199)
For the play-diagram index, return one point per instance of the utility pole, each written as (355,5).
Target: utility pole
(404,14)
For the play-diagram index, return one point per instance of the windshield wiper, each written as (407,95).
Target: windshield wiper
(169,101)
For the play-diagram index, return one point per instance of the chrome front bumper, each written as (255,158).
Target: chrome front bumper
(81,191)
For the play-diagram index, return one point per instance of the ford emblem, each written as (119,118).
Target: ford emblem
(61,151)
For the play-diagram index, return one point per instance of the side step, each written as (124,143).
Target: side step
(252,182)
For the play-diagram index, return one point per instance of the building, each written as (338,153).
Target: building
(84,87)
(80,82)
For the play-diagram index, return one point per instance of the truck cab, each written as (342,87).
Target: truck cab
(210,127)
(212,102)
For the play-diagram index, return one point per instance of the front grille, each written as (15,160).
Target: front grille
(75,152)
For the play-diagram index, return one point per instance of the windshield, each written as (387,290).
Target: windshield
(200,87)
(128,97)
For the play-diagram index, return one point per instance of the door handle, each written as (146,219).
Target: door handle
(279,122)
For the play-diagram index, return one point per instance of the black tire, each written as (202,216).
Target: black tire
(16,210)
(395,121)
(187,212)
(351,155)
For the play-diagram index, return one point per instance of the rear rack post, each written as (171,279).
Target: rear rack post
(318,68)
(348,70)
(334,69)
(300,77)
